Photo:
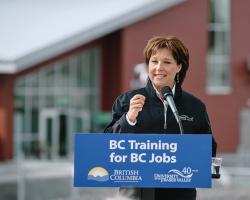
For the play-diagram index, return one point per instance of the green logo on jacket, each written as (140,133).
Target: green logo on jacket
(187,118)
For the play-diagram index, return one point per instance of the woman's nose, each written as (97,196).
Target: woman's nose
(159,66)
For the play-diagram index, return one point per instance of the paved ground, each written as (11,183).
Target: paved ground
(53,181)
(224,194)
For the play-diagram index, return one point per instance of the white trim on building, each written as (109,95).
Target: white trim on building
(35,31)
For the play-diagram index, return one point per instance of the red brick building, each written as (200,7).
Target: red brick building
(57,88)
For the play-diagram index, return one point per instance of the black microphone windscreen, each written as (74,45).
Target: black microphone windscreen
(166,91)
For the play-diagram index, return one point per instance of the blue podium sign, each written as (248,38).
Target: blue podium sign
(143,160)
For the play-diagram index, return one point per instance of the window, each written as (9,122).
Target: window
(48,102)
(218,59)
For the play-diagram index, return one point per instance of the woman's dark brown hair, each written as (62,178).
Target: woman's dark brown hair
(178,49)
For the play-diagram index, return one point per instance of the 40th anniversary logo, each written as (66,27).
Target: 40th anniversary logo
(174,175)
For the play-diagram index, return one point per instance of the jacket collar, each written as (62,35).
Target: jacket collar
(152,92)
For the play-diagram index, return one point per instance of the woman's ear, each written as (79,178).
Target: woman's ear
(179,68)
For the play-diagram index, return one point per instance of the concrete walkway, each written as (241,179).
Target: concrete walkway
(37,180)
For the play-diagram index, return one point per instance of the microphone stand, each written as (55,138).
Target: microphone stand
(180,125)
(177,117)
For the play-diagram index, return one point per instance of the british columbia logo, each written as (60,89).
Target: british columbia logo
(98,174)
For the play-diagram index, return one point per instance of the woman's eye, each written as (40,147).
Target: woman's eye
(166,62)
(154,61)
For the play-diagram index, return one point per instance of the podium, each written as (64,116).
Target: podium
(143,160)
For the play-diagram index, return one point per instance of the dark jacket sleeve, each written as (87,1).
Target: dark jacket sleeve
(119,123)
(206,128)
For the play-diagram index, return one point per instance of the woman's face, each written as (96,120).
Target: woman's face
(162,68)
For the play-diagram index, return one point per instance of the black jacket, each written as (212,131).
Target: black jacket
(151,120)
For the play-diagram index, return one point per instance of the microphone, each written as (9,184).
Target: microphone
(168,95)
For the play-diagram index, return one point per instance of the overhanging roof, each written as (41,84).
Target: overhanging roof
(34,31)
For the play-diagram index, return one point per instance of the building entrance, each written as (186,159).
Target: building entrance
(56,131)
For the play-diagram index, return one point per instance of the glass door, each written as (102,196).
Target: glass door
(56,131)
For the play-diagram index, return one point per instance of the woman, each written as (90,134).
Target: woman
(143,110)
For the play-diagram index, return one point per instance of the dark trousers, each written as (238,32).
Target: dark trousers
(159,193)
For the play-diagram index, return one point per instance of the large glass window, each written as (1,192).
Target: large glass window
(218,59)
(53,103)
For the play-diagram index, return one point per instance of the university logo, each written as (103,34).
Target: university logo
(174,175)
(180,174)
(98,174)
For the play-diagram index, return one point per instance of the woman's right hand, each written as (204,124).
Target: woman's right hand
(135,106)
